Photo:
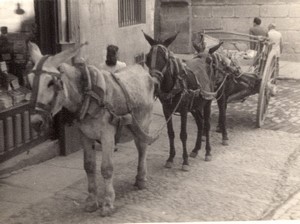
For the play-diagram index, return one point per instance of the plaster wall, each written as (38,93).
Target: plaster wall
(99,26)
(16,22)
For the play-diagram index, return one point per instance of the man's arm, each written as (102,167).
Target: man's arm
(281,45)
(252,44)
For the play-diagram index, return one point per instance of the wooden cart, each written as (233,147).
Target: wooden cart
(264,64)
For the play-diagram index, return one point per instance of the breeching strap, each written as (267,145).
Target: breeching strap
(134,127)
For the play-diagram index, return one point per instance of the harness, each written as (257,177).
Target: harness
(93,92)
(175,66)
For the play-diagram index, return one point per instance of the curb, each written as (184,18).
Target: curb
(288,78)
(40,153)
(283,209)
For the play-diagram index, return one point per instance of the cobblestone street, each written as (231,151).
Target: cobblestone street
(251,179)
(85,86)
(283,111)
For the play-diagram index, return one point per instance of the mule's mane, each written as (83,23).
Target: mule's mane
(72,78)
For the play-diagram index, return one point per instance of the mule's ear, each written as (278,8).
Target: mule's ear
(150,40)
(34,52)
(65,55)
(168,41)
(196,47)
(215,48)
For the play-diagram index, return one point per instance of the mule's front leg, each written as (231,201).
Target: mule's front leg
(199,122)
(222,104)
(90,169)
(141,177)
(171,135)
(183,138)
(108,144)
(207,112)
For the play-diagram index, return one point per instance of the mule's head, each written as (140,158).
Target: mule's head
(48,90)
(199,44)
(157,61)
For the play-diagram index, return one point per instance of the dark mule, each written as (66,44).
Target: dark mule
(183,89)
(236,87)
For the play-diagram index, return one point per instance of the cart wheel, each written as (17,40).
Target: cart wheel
(267,87)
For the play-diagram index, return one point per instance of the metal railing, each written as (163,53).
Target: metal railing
(16,133)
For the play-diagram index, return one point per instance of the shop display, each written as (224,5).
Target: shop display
(13,55)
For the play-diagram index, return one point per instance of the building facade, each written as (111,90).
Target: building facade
(56,25)
(104,22)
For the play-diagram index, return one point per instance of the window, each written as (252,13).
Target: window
(131,12)
(140,59)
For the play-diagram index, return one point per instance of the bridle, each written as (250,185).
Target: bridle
(152,70)
(45,109)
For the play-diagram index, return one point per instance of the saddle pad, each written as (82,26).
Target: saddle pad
(200,69)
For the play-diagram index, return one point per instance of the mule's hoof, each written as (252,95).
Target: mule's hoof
(168,164)
(91,206)
(140,184)
(107,210)
(185,168)
(193,154)
(225,142)
(203,138)
(218,130)
(208,158)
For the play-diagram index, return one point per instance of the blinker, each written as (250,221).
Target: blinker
(58,86)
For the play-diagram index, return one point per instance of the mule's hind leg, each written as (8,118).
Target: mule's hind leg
(199,122)
(141,176)
(171,135)
(90,169)
(108,144)
(222,105)
(183,138)
(207,112)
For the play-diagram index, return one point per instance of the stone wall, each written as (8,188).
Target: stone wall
(237,15)
(176,16)
(231,15)
(99,26)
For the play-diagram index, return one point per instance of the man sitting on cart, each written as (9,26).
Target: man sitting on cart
(257,30)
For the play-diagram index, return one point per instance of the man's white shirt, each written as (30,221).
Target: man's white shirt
(114,68)
(275,37)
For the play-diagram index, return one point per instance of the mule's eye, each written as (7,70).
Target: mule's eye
(51,83)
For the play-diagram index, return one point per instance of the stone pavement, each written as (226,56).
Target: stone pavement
(290,210)
(20,191)
(289,70)
(284,115)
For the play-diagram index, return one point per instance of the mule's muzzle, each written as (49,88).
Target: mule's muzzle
(38,122)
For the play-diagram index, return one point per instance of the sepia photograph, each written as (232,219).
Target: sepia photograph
(149,111)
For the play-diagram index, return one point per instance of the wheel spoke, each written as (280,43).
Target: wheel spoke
(268,79)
